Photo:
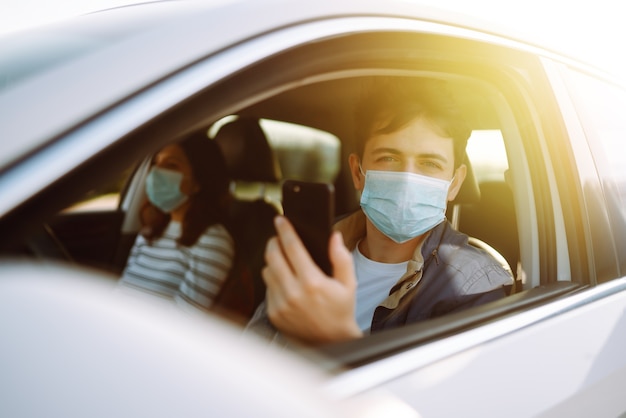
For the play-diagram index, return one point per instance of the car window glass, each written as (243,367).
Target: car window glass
(303,153)
(601,109)
(485,149)
(103,198)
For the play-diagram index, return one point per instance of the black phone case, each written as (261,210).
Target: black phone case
(310,207)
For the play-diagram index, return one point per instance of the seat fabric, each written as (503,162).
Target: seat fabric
(249,159)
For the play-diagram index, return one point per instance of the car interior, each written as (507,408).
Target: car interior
(261,152)
(298,124)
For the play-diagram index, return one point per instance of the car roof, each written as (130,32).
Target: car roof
(53,92)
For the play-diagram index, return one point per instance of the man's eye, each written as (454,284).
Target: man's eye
(431,164)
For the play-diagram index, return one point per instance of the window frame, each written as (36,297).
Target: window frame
(516,85)
(330,52)
(607,237)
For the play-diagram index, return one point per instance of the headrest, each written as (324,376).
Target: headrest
(470,191)
(248,154)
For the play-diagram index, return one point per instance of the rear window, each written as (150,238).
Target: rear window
(487,154)
(601,108)
(303,153)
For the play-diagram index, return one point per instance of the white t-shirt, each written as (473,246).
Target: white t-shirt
(374,281)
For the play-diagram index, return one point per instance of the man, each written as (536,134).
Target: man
(399,261)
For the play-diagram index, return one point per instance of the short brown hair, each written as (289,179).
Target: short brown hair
(393,102)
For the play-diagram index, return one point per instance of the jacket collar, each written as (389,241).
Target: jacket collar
(353,230)
(352,227)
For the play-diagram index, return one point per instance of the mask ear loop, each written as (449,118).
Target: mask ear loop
(361,170)
(453,177)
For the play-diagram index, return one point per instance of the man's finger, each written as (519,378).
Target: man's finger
(341,259)
(278,273)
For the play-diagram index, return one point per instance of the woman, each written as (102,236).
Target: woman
(184,250)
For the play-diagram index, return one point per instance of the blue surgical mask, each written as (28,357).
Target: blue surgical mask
(404,205)
(163,189)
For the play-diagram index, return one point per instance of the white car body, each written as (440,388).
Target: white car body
(556,350)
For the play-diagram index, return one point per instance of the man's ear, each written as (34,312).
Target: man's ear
(358,179)
(457,181)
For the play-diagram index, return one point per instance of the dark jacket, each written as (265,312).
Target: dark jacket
(445,274)
(454,276)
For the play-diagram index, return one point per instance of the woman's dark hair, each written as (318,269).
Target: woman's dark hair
(391,103)
(208,206)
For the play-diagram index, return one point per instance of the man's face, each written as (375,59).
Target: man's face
(417,148)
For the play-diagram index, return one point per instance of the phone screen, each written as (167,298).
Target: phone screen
(310,207)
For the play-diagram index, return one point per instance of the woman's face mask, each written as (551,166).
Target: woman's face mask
(404,205)
(163,189)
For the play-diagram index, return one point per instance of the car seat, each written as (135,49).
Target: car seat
(475,213)
(251,164)
(493,219)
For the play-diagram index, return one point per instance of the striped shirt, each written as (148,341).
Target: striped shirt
(188,275)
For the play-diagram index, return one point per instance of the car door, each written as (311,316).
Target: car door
(556,355)
(486,357)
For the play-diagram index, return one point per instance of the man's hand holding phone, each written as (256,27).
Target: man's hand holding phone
(302,301)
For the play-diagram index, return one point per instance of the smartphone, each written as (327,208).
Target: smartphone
(310,207)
